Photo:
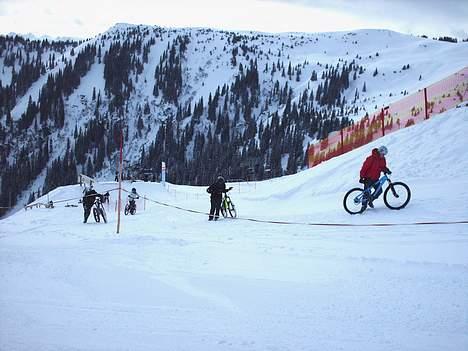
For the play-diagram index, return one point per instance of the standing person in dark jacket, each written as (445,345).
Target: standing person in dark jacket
(370,173)
(216,190)
(88,201)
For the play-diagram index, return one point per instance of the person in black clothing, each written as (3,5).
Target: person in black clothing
(216,190)
(88,202)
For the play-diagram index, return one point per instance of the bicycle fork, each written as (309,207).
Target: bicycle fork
(393,191)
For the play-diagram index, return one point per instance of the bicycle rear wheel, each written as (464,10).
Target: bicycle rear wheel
(224,212)
(352,201)
(397,196)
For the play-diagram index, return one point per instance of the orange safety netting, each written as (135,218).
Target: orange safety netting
(406,112)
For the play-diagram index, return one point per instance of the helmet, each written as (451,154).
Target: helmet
(221,179)
(382,150)
(134,190)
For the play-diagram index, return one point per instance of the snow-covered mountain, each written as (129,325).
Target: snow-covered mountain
(204,101)
(171,280)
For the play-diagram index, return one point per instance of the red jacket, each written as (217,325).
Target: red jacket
(373,165)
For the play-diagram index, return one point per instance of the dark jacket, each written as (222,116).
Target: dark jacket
(217,188)
(373,165)
(89,198)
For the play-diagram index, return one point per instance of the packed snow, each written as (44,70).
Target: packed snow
(171,280)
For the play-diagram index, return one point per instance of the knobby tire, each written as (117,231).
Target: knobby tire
(402,190)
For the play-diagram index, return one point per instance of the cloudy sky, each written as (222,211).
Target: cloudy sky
(86,18)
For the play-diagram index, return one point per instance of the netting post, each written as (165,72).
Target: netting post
(426,109)
(342,144)
(382,115)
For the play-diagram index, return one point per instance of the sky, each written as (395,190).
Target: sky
(87,18)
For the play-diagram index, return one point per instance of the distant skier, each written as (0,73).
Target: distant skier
(88,201)
(370,173)
(216,190)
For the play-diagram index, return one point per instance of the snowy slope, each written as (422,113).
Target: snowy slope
(174,281)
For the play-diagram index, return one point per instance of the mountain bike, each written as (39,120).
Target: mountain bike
(130,207)
(227,207)
(98,210)
(396,196)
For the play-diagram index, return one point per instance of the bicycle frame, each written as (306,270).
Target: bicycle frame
(226,201)
(131,205)
(378,187)
(97,202)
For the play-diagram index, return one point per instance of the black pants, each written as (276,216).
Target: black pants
(371,184)
(87,212)
(215,207)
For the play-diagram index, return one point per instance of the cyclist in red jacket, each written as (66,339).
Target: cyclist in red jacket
(370,173)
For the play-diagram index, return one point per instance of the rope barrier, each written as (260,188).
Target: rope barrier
(352,224)
(317,224)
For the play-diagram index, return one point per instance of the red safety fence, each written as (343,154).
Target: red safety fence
(413,109)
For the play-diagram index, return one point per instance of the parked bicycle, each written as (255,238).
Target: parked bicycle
(227,207)
(130,207)
(396,196)
(98,210)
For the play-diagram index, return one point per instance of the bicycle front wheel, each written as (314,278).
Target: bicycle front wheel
(232,211)
(352,201)
(96,215)
(397,195)
(103,214)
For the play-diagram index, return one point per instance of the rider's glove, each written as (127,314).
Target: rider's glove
(387,171)
(362,180)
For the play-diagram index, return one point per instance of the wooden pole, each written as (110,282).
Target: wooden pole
(120,181)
